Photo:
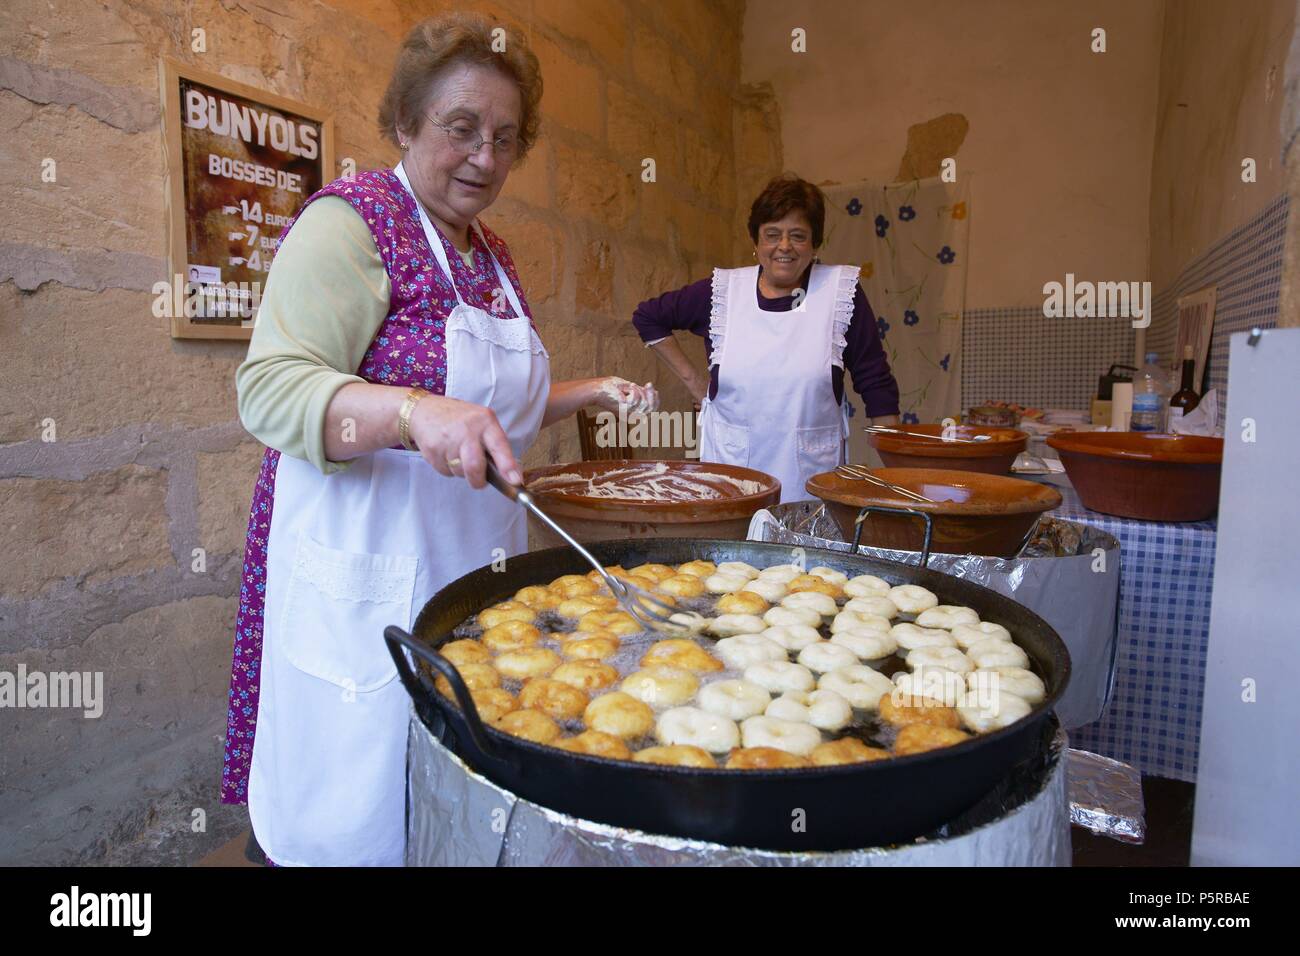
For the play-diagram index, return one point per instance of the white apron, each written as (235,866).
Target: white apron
(775,410)
(350,553)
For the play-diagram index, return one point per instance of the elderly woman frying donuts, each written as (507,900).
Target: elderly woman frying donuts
(394,355)
(779,336)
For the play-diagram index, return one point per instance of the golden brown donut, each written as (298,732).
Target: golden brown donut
(742,602)
(764,758)
(676,755)
(511,636)
(620,622)
(573,585)
(553,697)
(845,750)
(811,582)
(578,606)
(918,711)
(683,653)
(699,569)
(529,724)
(537,597)
(654,572)
(614,570)
(619,714)
(682,586)
(586,675)
(918,738)
(596,744)
(475,676)
(465,652)
(493,703)
(506,611)
(591,646)
(527,662)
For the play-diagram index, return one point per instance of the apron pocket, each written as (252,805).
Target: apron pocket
(336,607)
(819,448)
(731,441)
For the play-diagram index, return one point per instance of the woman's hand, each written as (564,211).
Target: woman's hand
(447,429)
(613,392)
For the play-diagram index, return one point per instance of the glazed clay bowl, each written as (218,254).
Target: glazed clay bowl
(973,513)
(993,456)
(685,499)
(1145,475)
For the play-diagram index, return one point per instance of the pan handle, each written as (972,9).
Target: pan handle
(428,700)
(923,515)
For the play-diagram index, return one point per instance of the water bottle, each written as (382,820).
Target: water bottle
(1150,393)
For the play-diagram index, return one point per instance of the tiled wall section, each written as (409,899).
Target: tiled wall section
(1019,355)
(1245,266)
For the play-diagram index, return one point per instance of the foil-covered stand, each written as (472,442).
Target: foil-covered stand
(456,817)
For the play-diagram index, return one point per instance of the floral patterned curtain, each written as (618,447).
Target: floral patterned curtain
(910,241)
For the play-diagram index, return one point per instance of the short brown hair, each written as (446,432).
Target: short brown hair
(786,194)
(439,42)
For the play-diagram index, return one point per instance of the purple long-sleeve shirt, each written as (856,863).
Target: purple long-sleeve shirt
(688,309)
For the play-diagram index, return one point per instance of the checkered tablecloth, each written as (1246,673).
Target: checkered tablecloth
(1153,720)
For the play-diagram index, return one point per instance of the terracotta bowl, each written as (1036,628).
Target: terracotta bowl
(973,513)
(590,518)
(992,457)
(1146,475)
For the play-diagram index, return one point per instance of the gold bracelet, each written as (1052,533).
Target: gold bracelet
(404,417)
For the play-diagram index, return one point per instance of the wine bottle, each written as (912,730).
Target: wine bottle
(1185,399)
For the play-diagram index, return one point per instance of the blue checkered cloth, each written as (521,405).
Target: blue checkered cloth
(1153,719)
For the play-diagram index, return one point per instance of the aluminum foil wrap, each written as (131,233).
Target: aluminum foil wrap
(456,817)
(1106,797)
(1068,574)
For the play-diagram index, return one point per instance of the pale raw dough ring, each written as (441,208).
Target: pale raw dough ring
(779,677)
(933,683)
(941,658)
(769,590)
(824,709)
(1008,680)
(867,645)
(782,573)
(734,699)
(825,656)
(866,585)
(823,604)
(967,634)
(912,598)
(877,605)
(729,625)
(781,616)
(859,684)
(837,578)
(947,616)
(720,583)
(744,649)
(692,727)
(687,622)
(793,637)
(748,571)
(910,637)
(1003,711)
(857,621)
(997,653)
(788,735)
(662,686)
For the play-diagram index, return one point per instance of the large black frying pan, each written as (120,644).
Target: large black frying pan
(821,808)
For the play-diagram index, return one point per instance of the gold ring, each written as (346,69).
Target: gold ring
(453,462)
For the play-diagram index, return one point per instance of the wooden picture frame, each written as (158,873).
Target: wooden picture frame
(1196,328)
(239,165)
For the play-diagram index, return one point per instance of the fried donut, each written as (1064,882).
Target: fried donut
(683,653)
(527,662)
(932,683)
(591,646)
(619,622)
(595,744)
(575,585)
(475,676)
(511,636)
(619,714)
(824,604)
(613,570)
(687,622)
(466,651)
(910,637)
(791,617)
(744,649)
(1002,711)
(788,735)
(912,598)
(857,621)
(537,597)
(780,677)
(866,585)
(947,616)
(859,684)
(553,697)
(824,709)
(782,573)
(824,656)
(967,634)
(918,738)
(734,699)
(493,703)
(699,569)
(901,711)
(846,750)
(662,686)
(655,572)
(741,602)
(729,625)
(770,591)
(793,637)
(866,645)
(812,583)
(697,728)
(877,605)
(529,724)
(765,758)
(747,571)
(578,606)
(719,583)
(677,755)
(506,611)
(940,658)
(586,675)
(831,576)
(682,585)
(995,652)
(1010,680)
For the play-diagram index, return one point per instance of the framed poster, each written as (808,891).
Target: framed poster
(240,164)
(1196,328)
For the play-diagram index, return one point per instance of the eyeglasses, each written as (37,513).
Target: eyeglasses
(465,139)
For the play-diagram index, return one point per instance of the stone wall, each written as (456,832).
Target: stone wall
(120,449)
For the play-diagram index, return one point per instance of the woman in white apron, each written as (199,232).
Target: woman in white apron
(780,336)
(348,533)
